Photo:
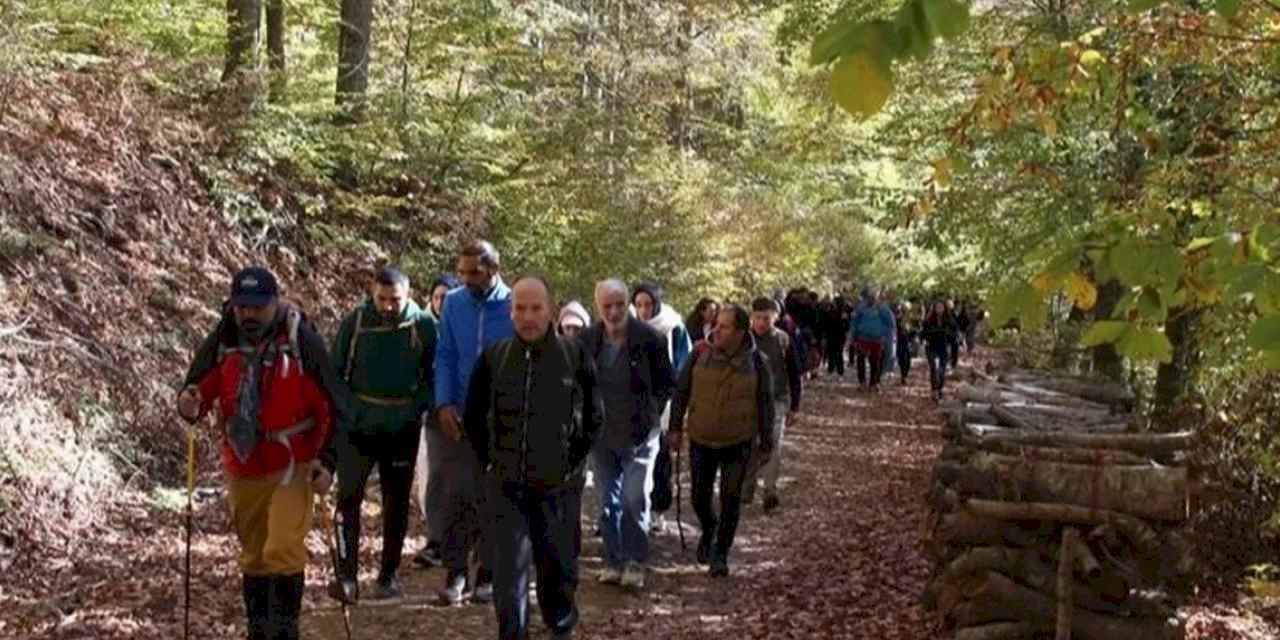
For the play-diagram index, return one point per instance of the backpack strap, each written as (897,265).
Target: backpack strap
(351,348)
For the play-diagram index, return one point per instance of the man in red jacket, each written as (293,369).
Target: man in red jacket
(279,402)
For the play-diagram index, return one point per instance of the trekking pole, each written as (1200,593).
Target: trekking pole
(191,489)
(327,521)
(679,520)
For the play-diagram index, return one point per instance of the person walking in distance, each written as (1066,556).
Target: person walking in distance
(385,349)
(870,325)
(726,396)
(474,317)
(532,412)
(938,330)
(785,370)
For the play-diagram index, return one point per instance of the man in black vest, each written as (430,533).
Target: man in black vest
(532,413)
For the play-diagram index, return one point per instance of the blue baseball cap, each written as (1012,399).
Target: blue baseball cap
(254,287)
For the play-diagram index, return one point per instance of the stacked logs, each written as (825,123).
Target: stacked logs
(1051,517)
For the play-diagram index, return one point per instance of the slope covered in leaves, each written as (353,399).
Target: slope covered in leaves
(115,253)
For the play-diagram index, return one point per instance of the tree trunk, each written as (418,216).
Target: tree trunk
(964,528)
(1174,378)
(275,48)
(1157,493)
(1070,538)
(354,47)
(1106,360)
(1140,535)
(997,631)
(1146,444)
(1071,455)
(243,19)
(1000,594)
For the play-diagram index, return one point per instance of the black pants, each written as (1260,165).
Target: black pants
(835,354)
(870,361)
(542,528)
(904,357)
(732,463)
(663,494)
(395,453)
(953,344)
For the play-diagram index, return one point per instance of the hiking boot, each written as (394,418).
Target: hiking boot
(483,593)
(429,556)
(704,547)
(657,522)
(633,576)
(610,575)
(387,588)
(719,567)
(454,591)
(770,503)
(344,590)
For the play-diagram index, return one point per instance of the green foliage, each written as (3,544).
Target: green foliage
(864,50)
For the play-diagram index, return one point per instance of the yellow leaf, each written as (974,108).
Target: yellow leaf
(1081,292)
(1264,588)
(942,171)
(1049,125)
(861,85)
(923,208)
(1045,283)
(1091,57)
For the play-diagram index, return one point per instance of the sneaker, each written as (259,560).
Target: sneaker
(704,547)
(610,575)
(483,593)
(719,567)
(344,591)
(657,522)
(454,591)
(429,556)
(633,576)
(770,503)
(387,588)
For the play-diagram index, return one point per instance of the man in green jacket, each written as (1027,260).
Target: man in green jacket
(384,350)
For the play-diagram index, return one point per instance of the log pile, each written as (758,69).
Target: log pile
(1052,518)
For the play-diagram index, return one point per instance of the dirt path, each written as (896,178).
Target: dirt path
(841,559)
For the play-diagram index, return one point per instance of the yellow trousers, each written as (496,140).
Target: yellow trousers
(272,522)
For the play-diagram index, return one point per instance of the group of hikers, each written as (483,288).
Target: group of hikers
(512,401)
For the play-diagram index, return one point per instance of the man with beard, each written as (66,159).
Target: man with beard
(533,410)
(385,350)
(475,317)
(636,383)
(280,403)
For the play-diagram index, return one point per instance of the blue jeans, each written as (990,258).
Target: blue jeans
(937,367)
(625,478)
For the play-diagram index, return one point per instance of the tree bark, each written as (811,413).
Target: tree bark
(997,631)
(354,46)
(964,528)
(1101,457)
(243,20)
(1158,493)
(1147,444)
(276,21)
(1138,533)
(1070,538)
(1174,378)
(998,593)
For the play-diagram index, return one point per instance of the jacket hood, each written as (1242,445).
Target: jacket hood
(653,291)
(574,309)
(666,321)
(411,311)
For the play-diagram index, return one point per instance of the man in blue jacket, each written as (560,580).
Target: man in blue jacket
(474,317)
(870,327)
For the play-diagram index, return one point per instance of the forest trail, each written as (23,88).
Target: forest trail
(841,559)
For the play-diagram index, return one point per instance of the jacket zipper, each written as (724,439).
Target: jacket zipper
(524,415)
